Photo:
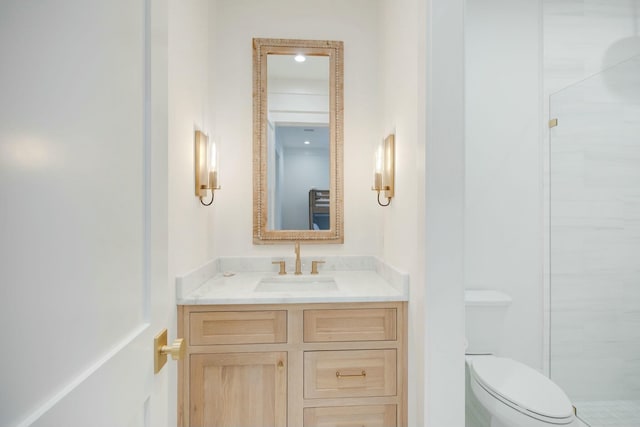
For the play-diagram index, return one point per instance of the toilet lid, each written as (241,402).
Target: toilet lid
(522,386)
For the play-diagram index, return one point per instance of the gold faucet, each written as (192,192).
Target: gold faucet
(298,263)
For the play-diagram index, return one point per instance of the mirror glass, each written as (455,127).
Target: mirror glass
(297,140)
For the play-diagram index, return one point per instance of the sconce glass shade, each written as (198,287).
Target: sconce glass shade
(388,176)
(206,167)
(384,169)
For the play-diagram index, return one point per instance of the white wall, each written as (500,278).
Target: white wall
(190,225)
(190,238)
(402,245)
(422,97)
(442,217)
(237,22)
(504,193)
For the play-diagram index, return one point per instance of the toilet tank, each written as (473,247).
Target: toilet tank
(485,312)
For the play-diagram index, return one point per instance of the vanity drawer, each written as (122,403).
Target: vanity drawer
(342,416)
(238,327)
(349,373)
(367,324)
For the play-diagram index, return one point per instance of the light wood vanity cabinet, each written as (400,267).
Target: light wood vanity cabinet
(311,365)
(238,389)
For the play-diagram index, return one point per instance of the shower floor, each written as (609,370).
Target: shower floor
(610,413)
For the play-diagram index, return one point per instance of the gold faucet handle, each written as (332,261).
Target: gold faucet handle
(283,270)
(314,266)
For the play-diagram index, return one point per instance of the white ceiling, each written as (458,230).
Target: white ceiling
(285,67)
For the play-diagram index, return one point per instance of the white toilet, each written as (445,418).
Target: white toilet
(510,393)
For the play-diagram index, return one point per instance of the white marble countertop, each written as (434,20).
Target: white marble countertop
(381,283)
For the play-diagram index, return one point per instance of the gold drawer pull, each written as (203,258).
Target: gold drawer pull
(339,375)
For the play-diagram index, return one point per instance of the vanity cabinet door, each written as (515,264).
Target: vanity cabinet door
(295,365)
(351,416)
(238,389)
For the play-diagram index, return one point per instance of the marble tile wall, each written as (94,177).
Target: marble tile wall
(595,236)
(584,37)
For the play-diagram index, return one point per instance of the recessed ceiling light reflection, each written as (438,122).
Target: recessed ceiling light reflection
(307,142)
(300,58)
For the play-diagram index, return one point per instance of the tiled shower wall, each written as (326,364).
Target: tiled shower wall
(592,281)
(595,236)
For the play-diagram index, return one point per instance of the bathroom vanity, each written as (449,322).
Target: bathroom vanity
(307,348)
(270,350)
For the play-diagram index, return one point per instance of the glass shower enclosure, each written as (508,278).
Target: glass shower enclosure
(594,172)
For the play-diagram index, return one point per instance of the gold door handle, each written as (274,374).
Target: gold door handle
(161,350)
(176,350)
(341,375)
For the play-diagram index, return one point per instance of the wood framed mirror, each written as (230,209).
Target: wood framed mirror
(297,141)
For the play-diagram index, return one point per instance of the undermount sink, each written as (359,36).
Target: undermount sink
(296,284)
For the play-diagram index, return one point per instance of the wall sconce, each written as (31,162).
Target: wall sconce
(385,168)
(206,167)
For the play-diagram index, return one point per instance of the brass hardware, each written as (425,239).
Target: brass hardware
(553,123)
(282,267)
(280,365)
(362,374)
(384,173)
(161,350)
(314,266)
(206,168)
(298,263)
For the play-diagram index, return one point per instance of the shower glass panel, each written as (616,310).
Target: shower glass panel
(595,245)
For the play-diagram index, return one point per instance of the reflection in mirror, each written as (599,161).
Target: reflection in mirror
(300,167)
(297,140)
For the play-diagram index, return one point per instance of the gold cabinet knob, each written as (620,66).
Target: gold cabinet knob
(176,350)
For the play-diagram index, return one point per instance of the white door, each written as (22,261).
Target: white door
(83,280)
